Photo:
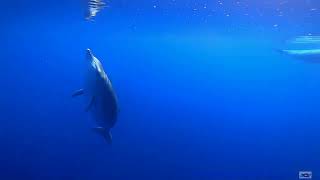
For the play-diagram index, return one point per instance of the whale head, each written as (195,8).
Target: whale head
(90,62)
(89,54)
(93,63)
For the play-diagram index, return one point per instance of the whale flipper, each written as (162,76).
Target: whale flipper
(90,104)
(106,134)
(78,93)
(108,137)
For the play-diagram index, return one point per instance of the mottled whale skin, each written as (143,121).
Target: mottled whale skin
(102,100)
(311,55)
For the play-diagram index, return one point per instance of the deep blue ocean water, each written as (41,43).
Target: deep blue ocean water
(202,92)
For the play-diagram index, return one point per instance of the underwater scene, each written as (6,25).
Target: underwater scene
(160,90)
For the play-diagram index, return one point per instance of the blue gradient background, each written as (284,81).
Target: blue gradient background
(202,95)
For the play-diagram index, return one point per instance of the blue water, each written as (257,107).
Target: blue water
(202,92)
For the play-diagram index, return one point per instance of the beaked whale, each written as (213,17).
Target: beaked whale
(102,100)
(309,55)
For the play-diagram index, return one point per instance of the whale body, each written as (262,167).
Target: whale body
(102,100)
(312,55)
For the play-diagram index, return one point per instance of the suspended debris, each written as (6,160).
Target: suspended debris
(94,6)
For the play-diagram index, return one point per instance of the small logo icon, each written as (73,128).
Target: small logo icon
(305,174)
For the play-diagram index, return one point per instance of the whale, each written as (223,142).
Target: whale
(309,55)
(101,98)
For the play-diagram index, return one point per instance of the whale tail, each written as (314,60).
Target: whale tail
(105,133)
(280,51)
